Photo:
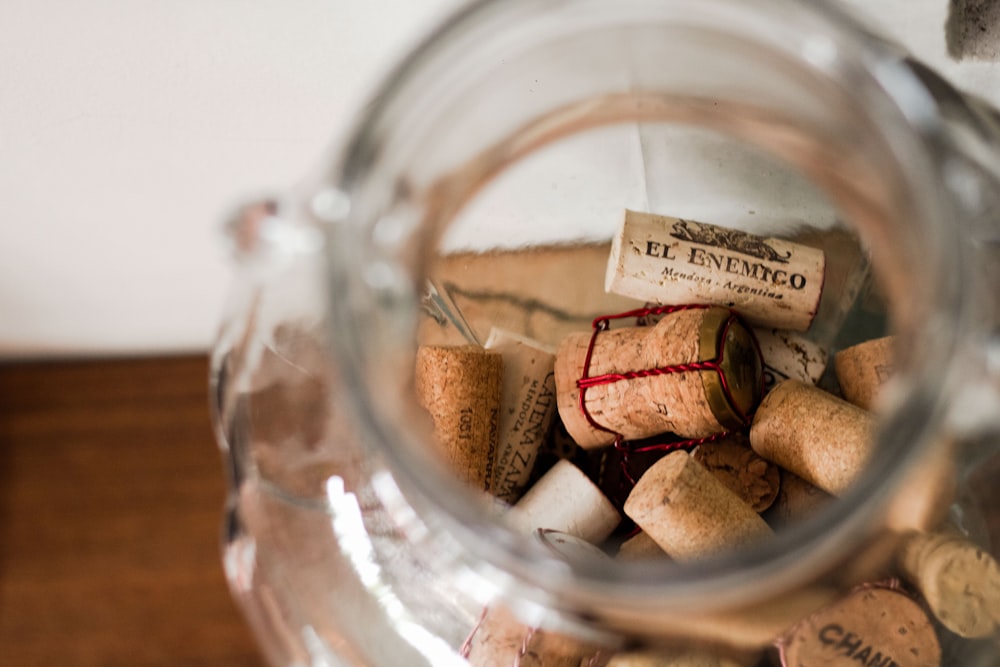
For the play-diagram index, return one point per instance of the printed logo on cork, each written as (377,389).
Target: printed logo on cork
(843,642)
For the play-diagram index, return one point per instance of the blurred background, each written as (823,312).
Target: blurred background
(129,128)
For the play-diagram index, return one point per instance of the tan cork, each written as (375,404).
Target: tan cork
(754,479)
(662,259)
(870,626)
(862,370)
(824,440)
(958,579)
(528,408)
(565,500)
(501,640)
(690,513)
(640,547)
(684,403)
(797,500)
(460,388)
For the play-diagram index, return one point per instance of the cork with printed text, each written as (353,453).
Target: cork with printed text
(460,387)
(771,282)
(528,407)
(872,626)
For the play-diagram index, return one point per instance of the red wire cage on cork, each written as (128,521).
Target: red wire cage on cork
(715,364)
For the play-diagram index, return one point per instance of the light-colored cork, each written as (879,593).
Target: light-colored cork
(685,403)
(959,581)
(790,355)
(460,387)
(690,513)
(771,282)
(797,501)
(927,491)
(870,626)
(501,640)
(686,659)
(862,370)
(824,440)
(529,405)
(640,547)
(565,500)
(754,479)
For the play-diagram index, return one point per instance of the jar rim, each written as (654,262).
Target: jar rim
(910,123)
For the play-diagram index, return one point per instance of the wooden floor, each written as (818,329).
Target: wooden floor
(111,491)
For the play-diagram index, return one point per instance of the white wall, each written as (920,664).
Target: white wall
(129,127)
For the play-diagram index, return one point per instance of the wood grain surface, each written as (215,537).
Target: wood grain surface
(111,491)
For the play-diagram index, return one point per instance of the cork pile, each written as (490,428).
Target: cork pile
(695,427)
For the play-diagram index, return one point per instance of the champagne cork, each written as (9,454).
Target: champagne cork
(671,660)
(959,581)
(529,405)
(797,500)
(565,500)
(690,403)
(754,479)
(771,282)
(640,547)
(863,369)
(501,640)
(786,354)
(871,626)
(460,388)
(824,440)
(790,355)
(689,513)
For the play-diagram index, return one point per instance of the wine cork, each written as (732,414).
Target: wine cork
(460,388)
(501,640)
(671,660)
(688,512)
(754,479)
(870,626)
(640,547)
(771,282)
(928,489)
(959,581)
(824,440)
(615,469)
(565,500)
(862,370)
(690,403)
(529,405)
(790,355)
(797,500)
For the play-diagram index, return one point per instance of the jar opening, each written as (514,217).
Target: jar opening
(502,163)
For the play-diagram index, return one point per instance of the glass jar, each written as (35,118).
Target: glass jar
(480,189)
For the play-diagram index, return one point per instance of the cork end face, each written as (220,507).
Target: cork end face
(662,476)
(871,626)
(735,390)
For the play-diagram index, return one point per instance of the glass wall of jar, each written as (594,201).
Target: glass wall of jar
(477,200)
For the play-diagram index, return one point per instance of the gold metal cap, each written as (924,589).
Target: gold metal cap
(740,365)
